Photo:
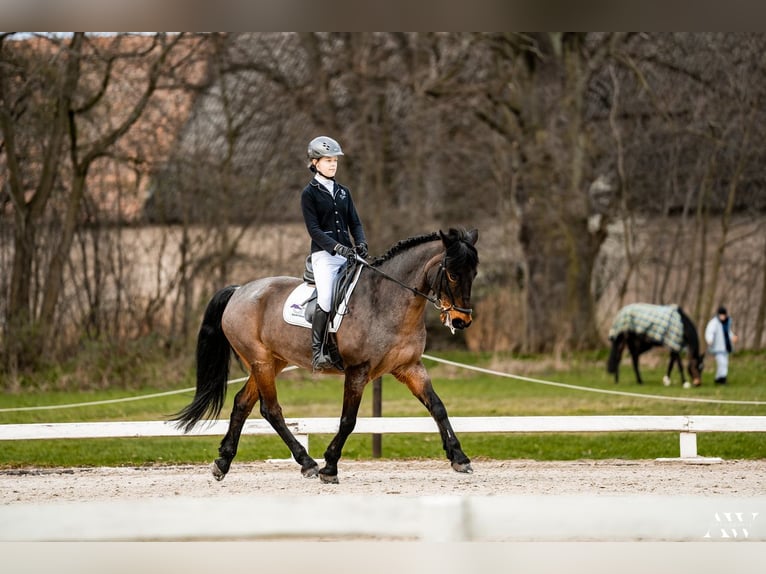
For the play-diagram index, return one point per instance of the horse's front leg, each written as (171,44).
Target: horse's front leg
(419,382)
(353,388)
(674,358)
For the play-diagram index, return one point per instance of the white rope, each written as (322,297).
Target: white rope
(589,389)
(122,400)
(430,358)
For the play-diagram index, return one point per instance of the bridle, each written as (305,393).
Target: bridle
(435,287)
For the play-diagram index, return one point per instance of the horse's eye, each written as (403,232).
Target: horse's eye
(453,277)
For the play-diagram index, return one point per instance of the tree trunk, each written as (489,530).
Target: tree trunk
(20,313)
(761,317)
(559,247)
(707,305)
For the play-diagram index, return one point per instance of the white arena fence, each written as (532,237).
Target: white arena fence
(425,518)
(688,426)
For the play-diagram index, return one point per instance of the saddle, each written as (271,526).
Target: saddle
(300,305)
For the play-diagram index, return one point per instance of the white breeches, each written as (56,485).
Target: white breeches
(326,269)
(721,365)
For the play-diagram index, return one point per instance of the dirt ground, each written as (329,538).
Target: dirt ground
(390,477)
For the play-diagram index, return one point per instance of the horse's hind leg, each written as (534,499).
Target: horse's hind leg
(615,355)
(635,352)
(243,405)
(417,380)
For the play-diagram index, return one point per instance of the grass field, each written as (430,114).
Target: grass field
(464,392)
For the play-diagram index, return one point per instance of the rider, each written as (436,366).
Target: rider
(332,221)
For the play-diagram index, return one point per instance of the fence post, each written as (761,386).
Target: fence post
(688,445)
(377,410)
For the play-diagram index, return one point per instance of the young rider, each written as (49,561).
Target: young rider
(332,222)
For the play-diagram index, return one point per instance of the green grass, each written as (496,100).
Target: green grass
(465,393)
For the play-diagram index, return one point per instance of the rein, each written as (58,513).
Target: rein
(435,301)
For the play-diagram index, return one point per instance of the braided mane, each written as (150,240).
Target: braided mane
(403,245)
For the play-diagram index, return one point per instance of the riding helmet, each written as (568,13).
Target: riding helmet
(323,146)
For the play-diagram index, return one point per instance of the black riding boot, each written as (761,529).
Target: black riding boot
(320,359)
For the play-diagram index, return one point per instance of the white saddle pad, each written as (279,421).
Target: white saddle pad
(294,309)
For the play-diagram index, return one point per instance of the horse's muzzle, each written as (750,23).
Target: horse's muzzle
(455,319)
(460,323)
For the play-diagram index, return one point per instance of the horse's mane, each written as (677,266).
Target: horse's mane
(403,245)
(462,252)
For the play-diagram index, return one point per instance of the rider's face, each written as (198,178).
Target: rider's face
(327,166)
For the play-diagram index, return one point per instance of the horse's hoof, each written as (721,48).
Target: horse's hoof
(328,478)
(464,467)
(310,471)
(666,381)
(218,474)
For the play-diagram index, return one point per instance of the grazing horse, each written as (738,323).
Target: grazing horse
(641,326)
(383,331)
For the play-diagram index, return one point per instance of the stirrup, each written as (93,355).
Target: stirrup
(322,363)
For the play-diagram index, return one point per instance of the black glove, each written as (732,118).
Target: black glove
(361,250)
(345,251)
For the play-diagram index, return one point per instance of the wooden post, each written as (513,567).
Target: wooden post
(377,410)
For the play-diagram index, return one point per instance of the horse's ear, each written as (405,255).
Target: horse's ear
(454,234)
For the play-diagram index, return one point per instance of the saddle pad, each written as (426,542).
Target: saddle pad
(661,323)
(294,309)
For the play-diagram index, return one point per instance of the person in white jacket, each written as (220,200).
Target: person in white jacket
(720,342)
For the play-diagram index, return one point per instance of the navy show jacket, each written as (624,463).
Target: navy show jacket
(330,218)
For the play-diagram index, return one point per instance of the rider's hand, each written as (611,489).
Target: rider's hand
(361,250)
(345,251)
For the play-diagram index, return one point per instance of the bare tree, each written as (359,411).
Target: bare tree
(541,108)
(51,94)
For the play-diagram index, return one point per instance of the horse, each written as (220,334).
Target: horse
(641,326)
(383,331)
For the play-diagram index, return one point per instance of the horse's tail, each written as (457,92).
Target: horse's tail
(213,356)
(613,363)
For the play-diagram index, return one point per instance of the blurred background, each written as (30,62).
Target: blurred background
(140,173)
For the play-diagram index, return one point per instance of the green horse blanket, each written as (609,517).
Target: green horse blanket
(661,323)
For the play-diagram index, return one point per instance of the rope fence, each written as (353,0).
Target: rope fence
(429,358)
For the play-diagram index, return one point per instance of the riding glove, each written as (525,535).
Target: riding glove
(361,250)
(345,251)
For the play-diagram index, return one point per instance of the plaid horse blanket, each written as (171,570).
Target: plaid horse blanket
(661,323)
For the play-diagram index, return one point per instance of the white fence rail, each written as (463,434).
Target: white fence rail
(687,426)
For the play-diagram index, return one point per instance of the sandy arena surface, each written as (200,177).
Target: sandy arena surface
(390,477)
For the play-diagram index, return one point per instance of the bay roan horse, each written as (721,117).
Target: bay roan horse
(641,326)
(383,331)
